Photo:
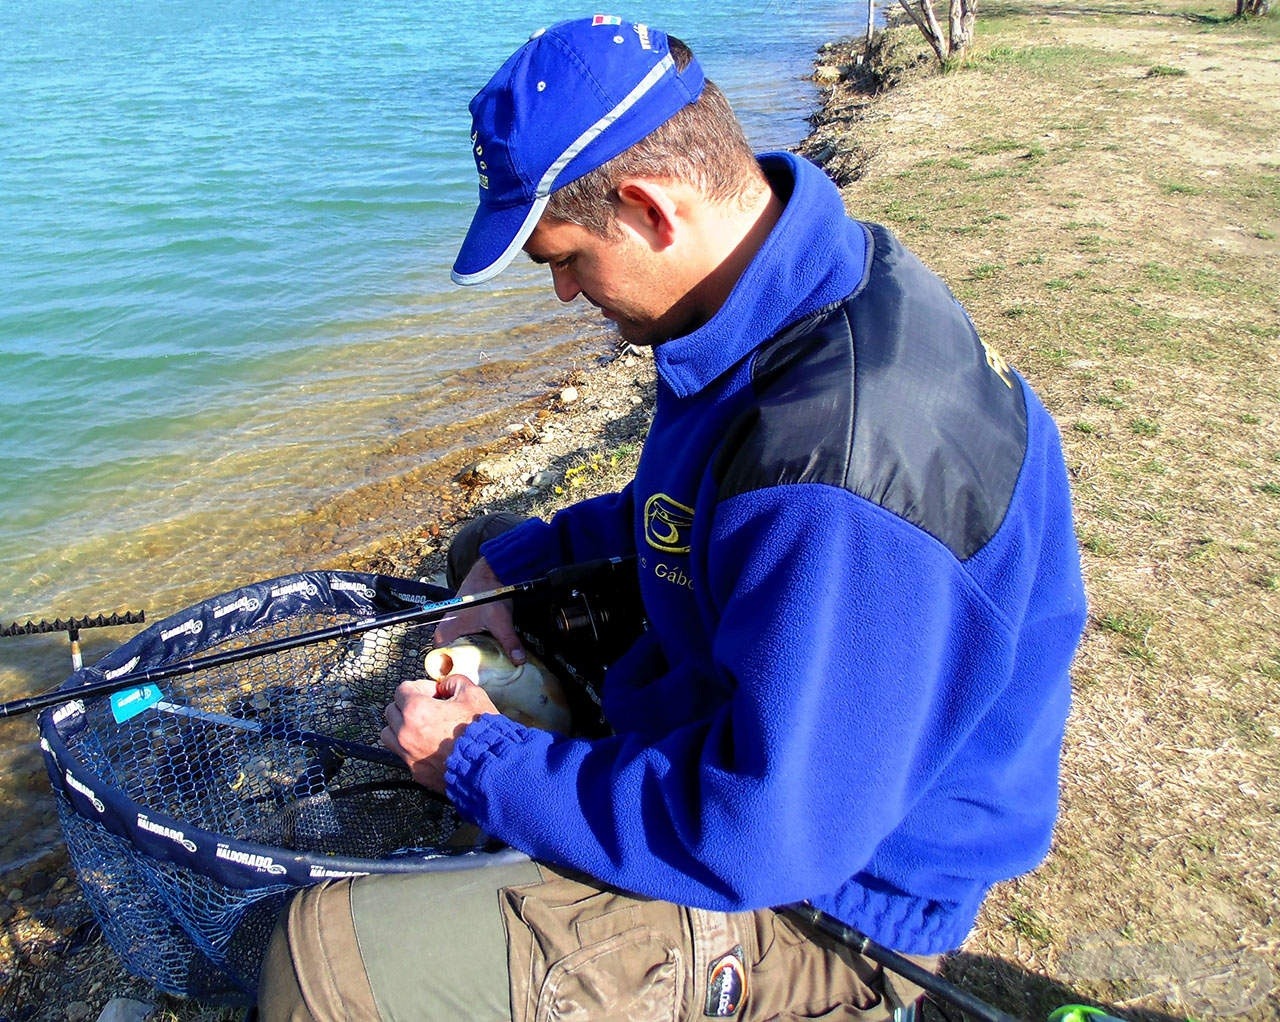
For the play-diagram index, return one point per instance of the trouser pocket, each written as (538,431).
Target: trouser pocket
(579,952)
(635,976)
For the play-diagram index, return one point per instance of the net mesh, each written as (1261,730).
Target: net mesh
(190,823)
(182,931)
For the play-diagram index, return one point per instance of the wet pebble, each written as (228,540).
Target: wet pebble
(123,1009)
(77,1011)
(37,883)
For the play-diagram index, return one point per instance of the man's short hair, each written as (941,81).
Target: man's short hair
(703,144)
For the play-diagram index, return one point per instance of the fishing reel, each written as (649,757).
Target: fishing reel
(604,622)
(579,626)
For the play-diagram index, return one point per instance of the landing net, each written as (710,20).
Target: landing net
(191,822)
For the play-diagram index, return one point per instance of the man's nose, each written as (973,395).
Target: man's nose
(566,286)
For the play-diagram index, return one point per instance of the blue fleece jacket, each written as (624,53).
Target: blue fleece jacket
(856,555)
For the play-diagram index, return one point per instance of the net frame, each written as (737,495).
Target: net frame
(187,901)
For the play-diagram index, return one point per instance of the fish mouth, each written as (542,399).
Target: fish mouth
(441,664)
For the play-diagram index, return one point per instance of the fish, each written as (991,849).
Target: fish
(528,693)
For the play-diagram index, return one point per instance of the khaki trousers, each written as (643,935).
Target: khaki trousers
(530,944)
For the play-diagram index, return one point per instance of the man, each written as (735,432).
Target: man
(854,541)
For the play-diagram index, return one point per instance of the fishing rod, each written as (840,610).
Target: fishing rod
(931,982)
(565,578)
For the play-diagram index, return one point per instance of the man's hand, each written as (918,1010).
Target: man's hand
(494,618)
(425,720)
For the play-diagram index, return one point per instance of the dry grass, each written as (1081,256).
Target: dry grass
(1101,188)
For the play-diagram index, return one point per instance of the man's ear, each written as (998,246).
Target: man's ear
(649,209)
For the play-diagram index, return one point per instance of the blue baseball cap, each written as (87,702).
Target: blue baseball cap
(570,99)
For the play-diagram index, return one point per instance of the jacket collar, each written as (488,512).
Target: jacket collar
(814,256)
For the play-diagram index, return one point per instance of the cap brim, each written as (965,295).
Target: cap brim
(493,240)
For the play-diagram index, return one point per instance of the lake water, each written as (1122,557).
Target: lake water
(226,294)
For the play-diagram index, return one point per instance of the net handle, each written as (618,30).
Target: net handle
(317,741)
(555,579)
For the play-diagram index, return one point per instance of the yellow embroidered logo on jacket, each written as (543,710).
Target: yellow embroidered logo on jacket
(667,524)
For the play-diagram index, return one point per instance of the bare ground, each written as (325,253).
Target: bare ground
(1101,187)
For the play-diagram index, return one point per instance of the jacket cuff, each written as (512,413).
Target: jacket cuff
(487,737)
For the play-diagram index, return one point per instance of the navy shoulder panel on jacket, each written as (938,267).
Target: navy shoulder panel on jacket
(891,395)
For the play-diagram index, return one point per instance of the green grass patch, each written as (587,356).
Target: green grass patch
(993,146)
(1207,282)
(1030,923)
(1205,549)
(1101,545)
(1162,275)
(904,212)
(1257,31)
(1258,188)
(1165,71)
(1040,60)
(1134,629)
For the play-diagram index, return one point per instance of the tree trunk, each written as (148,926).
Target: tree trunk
(927,23)
(963,15)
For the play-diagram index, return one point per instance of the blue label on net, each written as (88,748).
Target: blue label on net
(133,701)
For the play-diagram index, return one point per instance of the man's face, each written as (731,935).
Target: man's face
(620,275)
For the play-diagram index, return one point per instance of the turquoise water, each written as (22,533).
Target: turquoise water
(228,229)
